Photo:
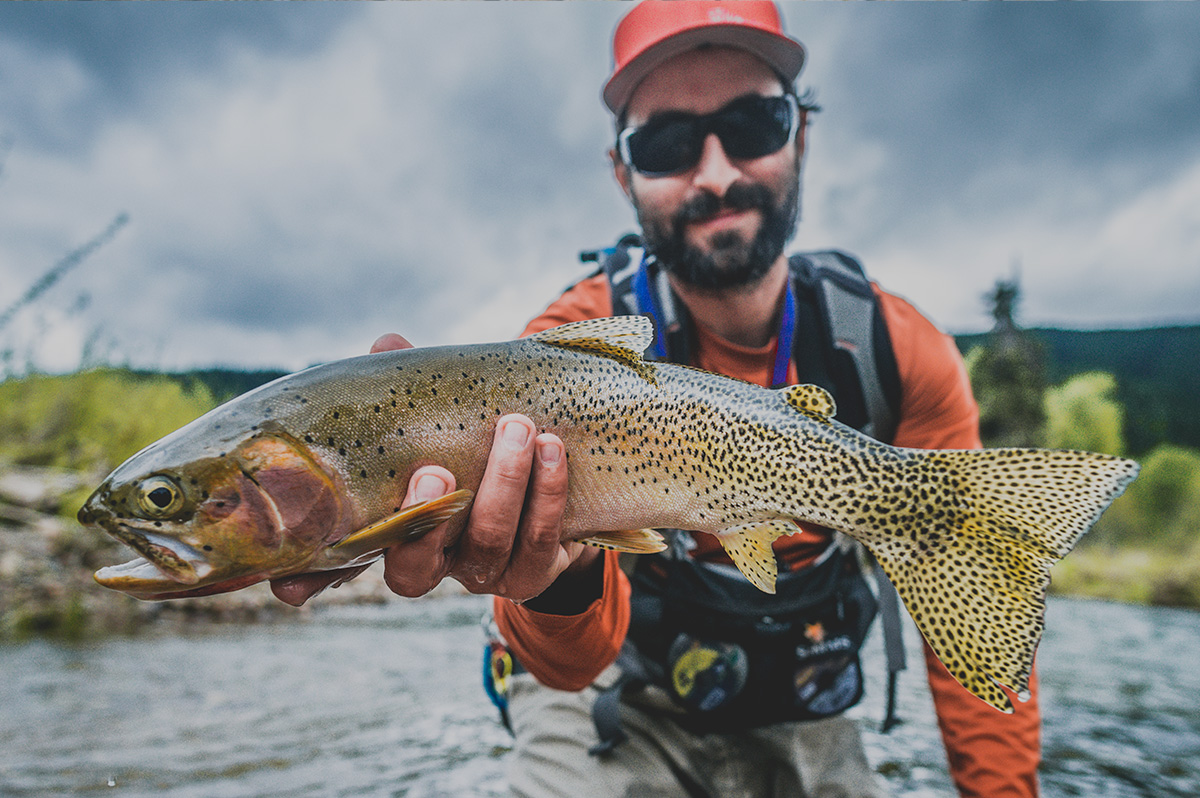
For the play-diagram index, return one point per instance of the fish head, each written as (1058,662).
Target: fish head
(217,522)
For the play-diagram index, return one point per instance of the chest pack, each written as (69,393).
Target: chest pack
(729,655)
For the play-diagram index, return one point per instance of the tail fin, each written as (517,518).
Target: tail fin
(974,564)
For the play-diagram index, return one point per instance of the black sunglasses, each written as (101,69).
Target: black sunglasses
(748,127)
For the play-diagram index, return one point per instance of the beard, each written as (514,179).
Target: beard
(731,262)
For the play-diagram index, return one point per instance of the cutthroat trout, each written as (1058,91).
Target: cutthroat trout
(307,473)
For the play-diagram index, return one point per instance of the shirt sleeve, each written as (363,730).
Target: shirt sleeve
(567,652)
(990,753)
(587,299)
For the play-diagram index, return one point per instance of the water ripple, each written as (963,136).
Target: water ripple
(385,701)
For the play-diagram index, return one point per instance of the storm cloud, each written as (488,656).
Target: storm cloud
(301,178)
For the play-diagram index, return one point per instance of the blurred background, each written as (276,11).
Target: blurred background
(300,179)
(196,198)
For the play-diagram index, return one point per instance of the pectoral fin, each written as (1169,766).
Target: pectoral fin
(633,541)
(749,546)
(405,525)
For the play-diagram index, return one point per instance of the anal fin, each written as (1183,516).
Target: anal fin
(749,546)
(405,525)
(632,541)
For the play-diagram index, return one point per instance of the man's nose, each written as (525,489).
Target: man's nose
(715,172)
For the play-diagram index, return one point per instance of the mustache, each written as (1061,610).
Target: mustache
(738,197)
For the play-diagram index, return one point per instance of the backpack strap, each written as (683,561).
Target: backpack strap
(640,288)
(859,349)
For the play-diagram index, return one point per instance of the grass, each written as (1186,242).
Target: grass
(1130,575)
(93,420)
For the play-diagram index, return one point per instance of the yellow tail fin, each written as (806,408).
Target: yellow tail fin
(971,558)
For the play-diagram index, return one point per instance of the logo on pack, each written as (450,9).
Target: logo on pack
(821,647)
(706,675)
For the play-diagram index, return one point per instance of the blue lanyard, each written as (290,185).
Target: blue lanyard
(648,303)
(787,336)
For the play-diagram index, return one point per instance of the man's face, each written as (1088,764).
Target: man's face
(724,222)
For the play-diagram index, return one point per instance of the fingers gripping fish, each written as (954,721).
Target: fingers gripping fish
(307,473)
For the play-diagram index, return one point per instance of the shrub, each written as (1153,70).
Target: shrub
(93,420)
(1161,509)
(1082,414)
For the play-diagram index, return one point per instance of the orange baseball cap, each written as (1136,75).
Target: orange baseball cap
(657,30)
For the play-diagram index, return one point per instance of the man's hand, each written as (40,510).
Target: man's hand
(511,544)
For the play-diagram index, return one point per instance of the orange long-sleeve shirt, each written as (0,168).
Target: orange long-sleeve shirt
(990,754)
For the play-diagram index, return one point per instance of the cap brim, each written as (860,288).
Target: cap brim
(782,54)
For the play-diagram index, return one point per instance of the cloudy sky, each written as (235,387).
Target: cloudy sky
(301,178)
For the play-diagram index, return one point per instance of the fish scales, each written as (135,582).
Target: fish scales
(308,473)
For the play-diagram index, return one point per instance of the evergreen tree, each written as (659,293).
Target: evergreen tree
(1008,375)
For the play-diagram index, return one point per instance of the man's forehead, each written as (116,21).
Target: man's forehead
(701,81)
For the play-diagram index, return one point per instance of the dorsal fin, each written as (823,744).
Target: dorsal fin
(622,338)
(811,400)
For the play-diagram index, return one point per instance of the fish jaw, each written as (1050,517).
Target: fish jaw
(140,579)
(265,510)
(171,558)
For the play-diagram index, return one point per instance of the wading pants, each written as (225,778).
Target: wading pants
(554,730)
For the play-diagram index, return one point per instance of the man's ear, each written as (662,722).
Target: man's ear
(621,173)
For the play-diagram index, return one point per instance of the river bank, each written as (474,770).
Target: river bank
(47,560)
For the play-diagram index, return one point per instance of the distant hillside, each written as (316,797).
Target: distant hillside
(224,384)
(1157,372)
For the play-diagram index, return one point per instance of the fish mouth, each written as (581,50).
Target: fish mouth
(163,560)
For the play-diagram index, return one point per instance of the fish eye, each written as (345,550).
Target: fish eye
(159,496)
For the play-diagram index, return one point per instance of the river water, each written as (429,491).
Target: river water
(385,701)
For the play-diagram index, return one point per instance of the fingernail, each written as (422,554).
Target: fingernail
(515,435)
(429,487)
(550,454)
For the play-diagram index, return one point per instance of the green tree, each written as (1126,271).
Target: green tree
(1161,509)
(1008,375)
(1083,413)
